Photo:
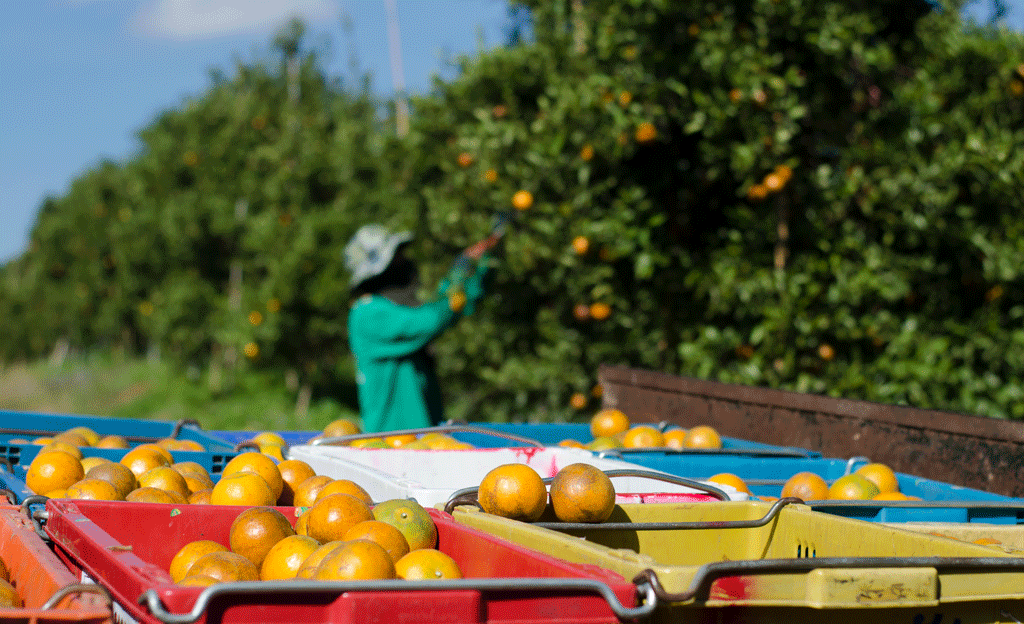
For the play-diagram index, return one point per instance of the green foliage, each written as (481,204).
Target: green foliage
(818,196)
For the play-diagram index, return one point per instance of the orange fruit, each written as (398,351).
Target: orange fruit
(465,159)
(645,132)
(643,436)
(198,580)
(600,310)
(190,467)
(308,489)
(881,475)
(59,493)
(143,458)
(890,496)
(513,491)
(727,478)
(42,441)
(369,443)
(255,531)
(167,479)
(117,475)
(312,562)
(608,423)
(582,493)
(5,573)
(604,443)
(581,311)
(112,442)
(285,558)
(293,472)
(522,200)
(190,445)
(243,488)
(578,400)
(197,482)
(427,564)
(581,244)
(93,489)
(356,561)
(91,437)
(345,486)
(200,497)
(674,438)
(88,463)
(490,175)
(702,436)
(398,441)
(332,516)
(53,470)
(225,566)
(9,597)
(154,495)
(571,443)
(269,438)
(71,437)
(300,525)
(158,449)
(272,451)
(409,517)
(806,486)
(188,554)
(341,427)
(389,538)
(58,445)
(260,464)
(853,487)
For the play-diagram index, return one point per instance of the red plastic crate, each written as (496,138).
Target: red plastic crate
(129,552)
(38,575)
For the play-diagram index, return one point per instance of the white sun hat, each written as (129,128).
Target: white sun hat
(371,250)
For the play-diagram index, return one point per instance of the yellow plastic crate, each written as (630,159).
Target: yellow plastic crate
(800,564)
(1008,538)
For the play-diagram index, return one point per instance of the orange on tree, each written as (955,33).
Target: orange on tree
(260,464)
(293,473)
(384,534)
(53,470)
(852,487)
(646,132)
(513,491)
(643,436)
(242,488)
(427,564)
(881,475)
(225,566)
(255,531)
(312,562)
(308,489)
(674,438)
(188,554)
(284,558)
(345,486)
(582,493)
(702,436)
(587,152)
(332,516)
(806,486)
(581,244)
(600,310)
(143,458)
(357,560)
(409,517)
(93,489)
(608,423)
(522,200)
(578,400)
(581,311)
(465,159)
(728,478)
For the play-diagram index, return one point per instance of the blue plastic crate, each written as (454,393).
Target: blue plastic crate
(14,425)
(14,485)
(550,434)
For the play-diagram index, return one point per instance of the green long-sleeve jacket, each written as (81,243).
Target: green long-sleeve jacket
(395,376)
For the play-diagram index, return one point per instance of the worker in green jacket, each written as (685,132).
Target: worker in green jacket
(389,330)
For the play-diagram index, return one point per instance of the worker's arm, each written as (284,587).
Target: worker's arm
(384,329)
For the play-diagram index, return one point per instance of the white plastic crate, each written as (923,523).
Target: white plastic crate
(431,477)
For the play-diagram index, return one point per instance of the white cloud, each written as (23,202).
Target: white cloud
(205,19)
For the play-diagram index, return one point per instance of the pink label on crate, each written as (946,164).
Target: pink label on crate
(662,497)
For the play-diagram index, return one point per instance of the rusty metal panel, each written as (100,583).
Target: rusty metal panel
(971,451)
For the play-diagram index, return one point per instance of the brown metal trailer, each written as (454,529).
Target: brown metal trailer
(972,451)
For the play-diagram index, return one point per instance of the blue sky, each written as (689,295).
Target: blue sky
(81,77)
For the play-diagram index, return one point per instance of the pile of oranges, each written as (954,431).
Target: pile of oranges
(611,429)
(341,537)
(873,481)
(433,440)
(579,493)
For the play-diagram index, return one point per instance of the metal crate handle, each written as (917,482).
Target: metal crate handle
(181,423)
(77,588)
(248,444)
(339,440)
(11,497)
(35,516)
(468,496)
(708,572)
(768,516)
(151,598)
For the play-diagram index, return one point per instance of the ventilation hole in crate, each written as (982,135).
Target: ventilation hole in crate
(799,551)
